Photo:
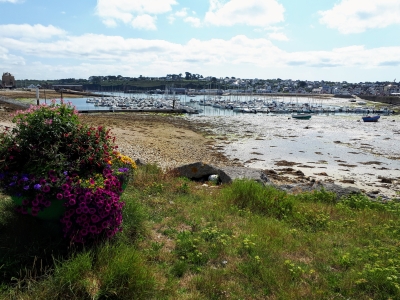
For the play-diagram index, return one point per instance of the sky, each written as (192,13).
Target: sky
(331,40)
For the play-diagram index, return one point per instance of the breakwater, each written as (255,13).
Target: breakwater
(382,99)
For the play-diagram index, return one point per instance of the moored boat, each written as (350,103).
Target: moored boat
(371,118)
(301,116)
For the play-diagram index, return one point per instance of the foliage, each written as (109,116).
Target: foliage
(50,157)
(185,240)
(258,198)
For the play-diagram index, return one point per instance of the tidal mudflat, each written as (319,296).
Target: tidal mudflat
(335,148)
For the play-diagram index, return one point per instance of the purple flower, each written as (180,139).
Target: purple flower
(105,224)
(46,189)
(66,187)
(59,196)
(24,178)
(26,187)
(12,184)
(72,202)
(93,229)
(37,186)
(65,173)
(25,202)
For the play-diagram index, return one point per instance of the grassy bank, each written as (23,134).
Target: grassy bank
(186,240)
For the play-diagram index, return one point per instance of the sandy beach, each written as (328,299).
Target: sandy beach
(338,149)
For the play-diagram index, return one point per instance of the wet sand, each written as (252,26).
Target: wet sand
(333,148)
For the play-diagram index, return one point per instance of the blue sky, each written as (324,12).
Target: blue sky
(342,40)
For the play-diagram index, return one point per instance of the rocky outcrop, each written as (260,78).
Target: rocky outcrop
(228,174)
(340,191)
(201,171)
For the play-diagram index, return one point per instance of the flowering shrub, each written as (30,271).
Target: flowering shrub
(49,156)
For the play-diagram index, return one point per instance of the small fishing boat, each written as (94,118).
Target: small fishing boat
(301,116)
(371,118)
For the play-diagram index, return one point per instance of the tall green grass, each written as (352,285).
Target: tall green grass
(184,240)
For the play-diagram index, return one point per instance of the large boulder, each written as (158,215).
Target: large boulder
(202,171)
(196,171)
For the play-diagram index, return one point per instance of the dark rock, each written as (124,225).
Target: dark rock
(351,181)
(201,171)
(139,162)
(196,171)
(385,179)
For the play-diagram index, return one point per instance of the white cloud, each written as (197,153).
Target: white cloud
(146,22)
(195,22)
(279,36)
(8,60)
(249,12)
(182,13)
(353,16)
(132,12)
(102,54)
(237,50)
(37,31)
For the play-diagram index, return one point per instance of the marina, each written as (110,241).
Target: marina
(225,105)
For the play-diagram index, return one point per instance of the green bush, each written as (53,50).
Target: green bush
(266,200)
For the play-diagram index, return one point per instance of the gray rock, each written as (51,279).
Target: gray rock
(340,191)
(196,171)
(201,171)
(228,174)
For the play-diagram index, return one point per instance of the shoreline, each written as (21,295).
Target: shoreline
(171,141)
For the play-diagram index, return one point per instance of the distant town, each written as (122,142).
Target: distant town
(196,83)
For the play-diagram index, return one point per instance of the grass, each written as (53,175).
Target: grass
(183,240)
